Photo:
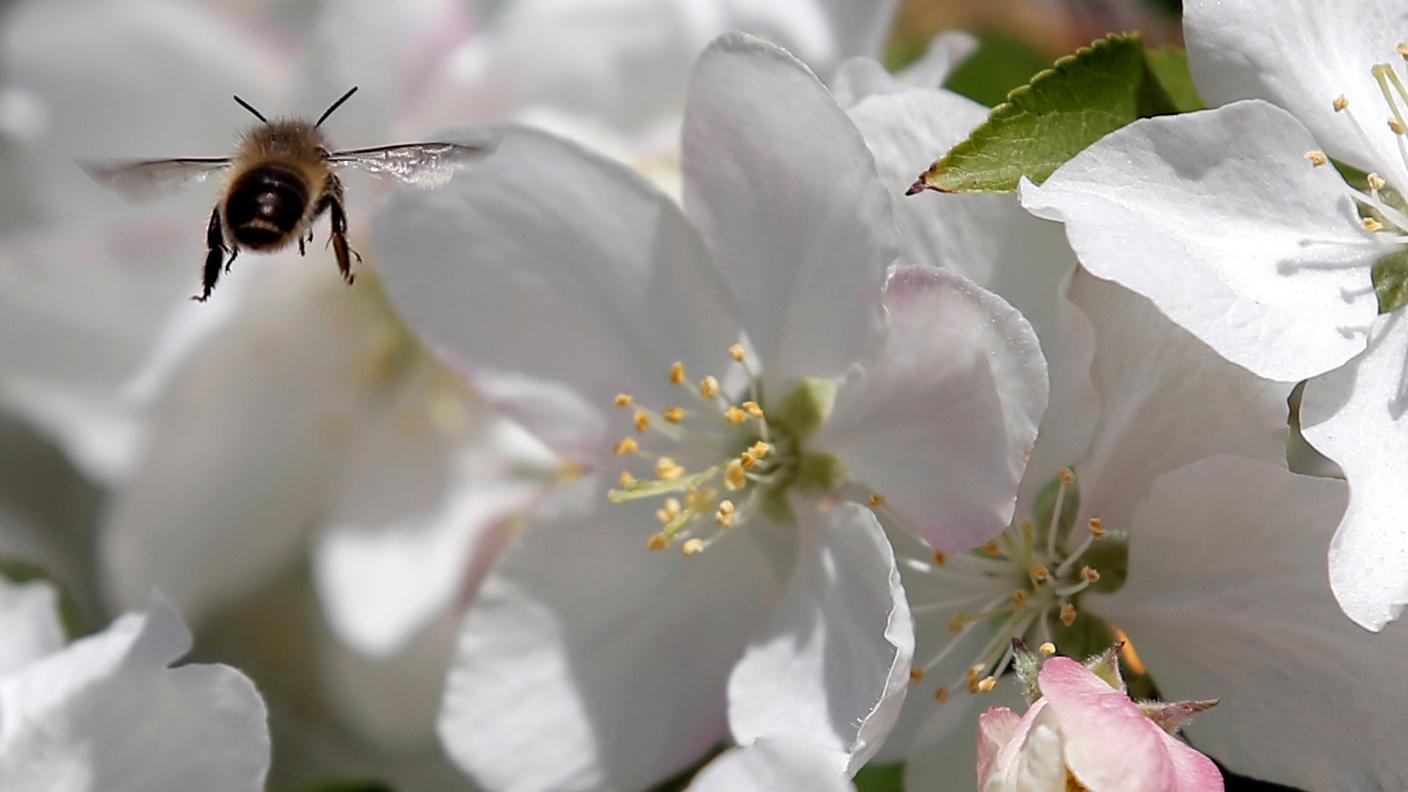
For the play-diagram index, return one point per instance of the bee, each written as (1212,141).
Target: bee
(282,177)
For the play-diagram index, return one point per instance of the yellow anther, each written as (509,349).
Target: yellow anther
(625,479)
(708,387)
(663,517)
(1047,649)
(876,500)
(1371,225)
(916,674)
(624,400)
(734,477)
(1402,50)
(1097,528)
(1340,103)
(1019,597)
(940,558)
(1376,182)
(672,505)
(1068,614)
(747,460)
(956,626)
(642,421)
(752,408)
(987,684)
(674,414)
(1316,157)
(1039,573)
(991,547)
(657,542)
(736,352)
(693,499)
(1397,126)
(735,415)
(941,694)
(726,507)
(628,445)
(692,547)
(1066,476)
(760,449)
(666,469)
(667,513)
(568,471)
(676,373)
(1089,574)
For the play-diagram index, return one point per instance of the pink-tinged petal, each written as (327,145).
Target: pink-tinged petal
(1033,760)
(997,727)
(947,762)
(803,231)
(29,622)
(1167,400)
(1228,597)
(941,422)
(771,764)
(603,664)
(1302,57)
(988,238)
(69,718)
(1109,744)
(253,430)
(431,485)
(1219,219)
(830,665)
(552,262)
(1356,416)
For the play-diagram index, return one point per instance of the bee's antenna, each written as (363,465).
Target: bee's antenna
(335,105)
(250,108)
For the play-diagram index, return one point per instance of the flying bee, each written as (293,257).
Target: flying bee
(282,178)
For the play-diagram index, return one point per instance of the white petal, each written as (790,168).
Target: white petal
(1167,400)
(1227,597)
(1302,57)
(803,231)
(830,666)
(1218,218)
(247,440)
(768,765)
(588,662)
(1355,416)
(942,421)
(107,714)
(861,77)
(29,622)
(553,262)
(987,238)
(425,500)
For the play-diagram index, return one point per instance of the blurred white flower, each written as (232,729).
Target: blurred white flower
(767,765)
(108,714)
(768,372)
(1222,580)
(1233,223)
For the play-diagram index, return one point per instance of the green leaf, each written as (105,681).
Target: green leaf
(1170,66)
(1390,275)
(1044,123)
(881,778)
(1000,64)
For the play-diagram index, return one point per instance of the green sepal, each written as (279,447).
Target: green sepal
(806,408)
(1062,110)
(1390,276)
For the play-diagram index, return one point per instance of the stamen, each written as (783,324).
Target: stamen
(1047,649)
(1317,157)
(628,445)
(676,373)
(657,541)
(1376,182)
(1097,531)
(624,400)
(940,558)
(709,387)
(1038,573)
(642,421)
(941,694)
(724,516)
(752,408)
(1068,614)
(674,414)
(991,547)
(736,352)
(1386,77)
(625,479)
(667,470)
(1065,477)
(692,547)
(735,416)
(916,674)
(1340,103)
(876,500)
(734,476)
(987,684)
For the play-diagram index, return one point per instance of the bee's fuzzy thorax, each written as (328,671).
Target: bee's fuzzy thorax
(293,143)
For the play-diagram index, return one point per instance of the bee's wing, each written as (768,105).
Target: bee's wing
(419,164)
(149,179)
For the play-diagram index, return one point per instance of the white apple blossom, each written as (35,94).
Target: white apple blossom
(107,713)
(766,379)
(1232,221)
(1135,399)
(767,765)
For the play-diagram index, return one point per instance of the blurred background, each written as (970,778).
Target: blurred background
(148,442)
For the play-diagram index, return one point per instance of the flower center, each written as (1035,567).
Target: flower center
(1020,585)
(720,460)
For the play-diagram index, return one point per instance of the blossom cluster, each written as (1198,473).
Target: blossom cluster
(672,443)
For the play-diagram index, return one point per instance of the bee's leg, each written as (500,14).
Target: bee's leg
(234,254)
(302,251)
(332,199)
(214,256)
